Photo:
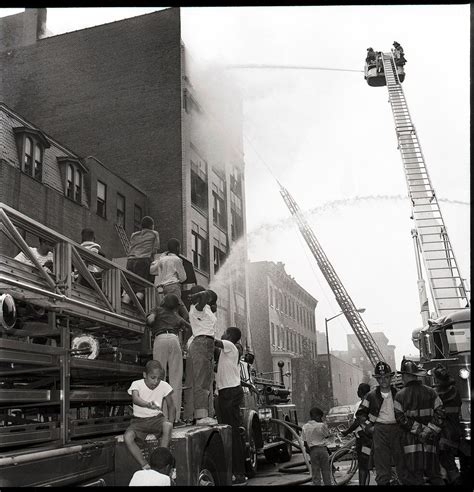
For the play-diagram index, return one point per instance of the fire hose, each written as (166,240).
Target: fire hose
(300,446)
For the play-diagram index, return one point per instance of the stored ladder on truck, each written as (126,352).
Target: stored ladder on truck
(123,237)
(342,297)
(430,236)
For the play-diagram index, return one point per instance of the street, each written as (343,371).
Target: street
(268,474)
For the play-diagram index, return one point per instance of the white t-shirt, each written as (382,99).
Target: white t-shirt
(228,367)
(42,259)
(148,394)
(202,322)
(387,412)
(149,478)
(168,269)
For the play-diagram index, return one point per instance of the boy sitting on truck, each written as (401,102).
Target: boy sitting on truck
(148,395)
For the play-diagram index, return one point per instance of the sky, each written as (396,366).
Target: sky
(330,140)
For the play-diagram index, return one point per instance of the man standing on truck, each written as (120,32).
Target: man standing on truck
(376,416)
(230,397)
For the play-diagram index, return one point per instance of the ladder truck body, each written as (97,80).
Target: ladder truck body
(342,297)
(444,340)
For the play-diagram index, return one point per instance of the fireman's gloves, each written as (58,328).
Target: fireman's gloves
(369,430)
(426,435)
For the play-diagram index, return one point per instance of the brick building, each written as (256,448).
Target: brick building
(282,318)
(126,93)
(45,180)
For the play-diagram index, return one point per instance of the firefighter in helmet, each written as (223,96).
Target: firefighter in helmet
(451,432)
(420,413)
(377,418)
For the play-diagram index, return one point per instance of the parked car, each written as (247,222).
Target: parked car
(342,415)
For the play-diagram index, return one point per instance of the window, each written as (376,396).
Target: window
(219,256)
(77,185)
(137,218)
(200,248)
(237,226)
(270,290)
(101,199)
(72,171)
(70,181)
(120,210)
(31,145)
(219,212)
(199,185)
(28,157)
(38,164)
(272,334)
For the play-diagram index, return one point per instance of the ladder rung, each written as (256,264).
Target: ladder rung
(428,218)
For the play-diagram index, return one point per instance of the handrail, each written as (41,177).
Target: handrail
(44,232)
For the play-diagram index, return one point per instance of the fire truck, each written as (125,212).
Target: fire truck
(265,414)
(445,335)
(69,349)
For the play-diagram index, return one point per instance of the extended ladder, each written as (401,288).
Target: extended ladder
(342,297)
(123,237)
(447,287)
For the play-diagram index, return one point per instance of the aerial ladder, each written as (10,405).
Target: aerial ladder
(342,297)
(430,236)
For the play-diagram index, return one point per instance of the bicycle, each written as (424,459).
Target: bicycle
(343,461)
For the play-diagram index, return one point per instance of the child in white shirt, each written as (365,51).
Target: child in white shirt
(148,395)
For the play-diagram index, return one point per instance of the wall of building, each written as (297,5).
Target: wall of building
(45,200)
(113,91)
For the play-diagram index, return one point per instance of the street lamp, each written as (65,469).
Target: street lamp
(326,320)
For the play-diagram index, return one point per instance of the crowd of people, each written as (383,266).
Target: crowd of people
(406,435)
(409,436)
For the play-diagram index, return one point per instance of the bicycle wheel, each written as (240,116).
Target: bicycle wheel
(343,465)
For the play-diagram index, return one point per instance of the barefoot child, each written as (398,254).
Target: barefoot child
(148,395)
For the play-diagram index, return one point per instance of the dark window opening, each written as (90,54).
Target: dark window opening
(200,252)
(219,211)
(199,188)
(78,186)
(101,199)
(120,210)
(137,218)
(219,258)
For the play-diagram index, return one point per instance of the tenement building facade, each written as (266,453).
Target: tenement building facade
(282,318)
(50,183)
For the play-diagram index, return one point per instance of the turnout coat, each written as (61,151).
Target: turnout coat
(420,413)
(451,432)
(369,409)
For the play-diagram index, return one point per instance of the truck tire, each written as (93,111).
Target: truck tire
(286,450)
(251,455)
(208,475)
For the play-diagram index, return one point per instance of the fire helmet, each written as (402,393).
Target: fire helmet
(382,369)
(411,367)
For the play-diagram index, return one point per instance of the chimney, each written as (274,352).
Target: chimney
(34,25)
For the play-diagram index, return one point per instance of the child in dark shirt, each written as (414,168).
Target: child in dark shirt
(166,326)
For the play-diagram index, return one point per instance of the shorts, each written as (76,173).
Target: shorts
(142,426)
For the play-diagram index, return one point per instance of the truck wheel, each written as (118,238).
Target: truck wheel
(286,452)
(208,475)
(251,455)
